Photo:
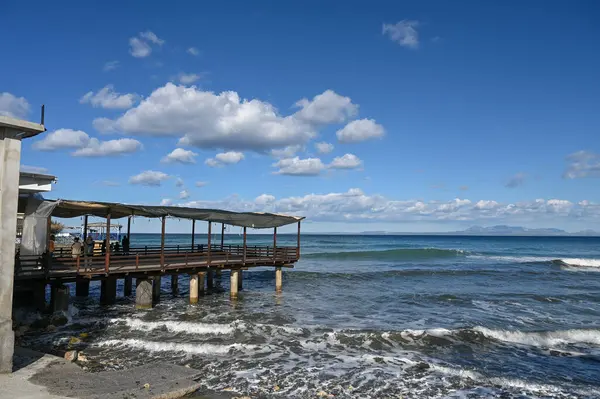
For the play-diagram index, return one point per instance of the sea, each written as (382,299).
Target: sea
(370,316)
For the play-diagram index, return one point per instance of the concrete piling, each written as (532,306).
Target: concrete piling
(60,298)
(82,287)
(201,283)
(234,283)
(210,280)
(240,280)
(39,296)
(143,293)
(108,291)
(174,284)
(278,279)
(127,286)
(193,288)
(156,280)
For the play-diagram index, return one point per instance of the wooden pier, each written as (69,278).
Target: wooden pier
(147,264)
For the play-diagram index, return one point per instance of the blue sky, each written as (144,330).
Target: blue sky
(438,115)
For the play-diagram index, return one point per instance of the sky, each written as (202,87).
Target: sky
(398,116)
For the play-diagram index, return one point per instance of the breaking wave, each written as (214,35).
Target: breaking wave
(175,326)
(390,254)
(573,262)
(173,347)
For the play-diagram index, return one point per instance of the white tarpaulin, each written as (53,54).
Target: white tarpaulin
(35,225)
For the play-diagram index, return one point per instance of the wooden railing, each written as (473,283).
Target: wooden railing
(150,258)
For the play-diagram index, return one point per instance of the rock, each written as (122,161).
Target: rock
(322,394)
(83,335)
(81,357)
(19,332)
(74,341)
(51,328)
(40,323)
(147,386)
(59,319)
(71,356)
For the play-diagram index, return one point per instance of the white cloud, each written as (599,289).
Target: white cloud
(180,155)
(179,182)
(360,130)
(286,152)
(151,37)
(516,180)
(110,65)
(404,33)
(224,158)
(326,108)
(13,106)
(149,178)
(582,164)
(97,148)
(201,183)
(62,138)
(323,147)
(193,51)
(225,121)
(299,167)
(188,78)
(166,202)
(184,194)
(33,169)
(108,98)
(347,161)
(140,47)
(357,206)
(84,145)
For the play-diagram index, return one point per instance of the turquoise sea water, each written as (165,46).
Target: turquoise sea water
(375,317)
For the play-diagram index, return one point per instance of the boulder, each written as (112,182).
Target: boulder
(71,356)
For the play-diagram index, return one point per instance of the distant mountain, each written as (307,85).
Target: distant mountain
(504,230)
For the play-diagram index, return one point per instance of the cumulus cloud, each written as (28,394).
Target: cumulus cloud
(360,130)
(108,98)
(166,202)
(347,161)
(84,145)
(181,156)
(188,78)
(201,183)
(323,147)
(582,164)
(141,45)
(13,106)
(110,65)
(224,158)
(179,182)
(286,152)
(299,167)
(404,33)
(326,108)
(149,178)
(225,121)
(355,205)
(184,194)
(97,148)
(516,180)
(193,51)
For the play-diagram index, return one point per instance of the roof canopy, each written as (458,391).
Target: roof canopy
(257,220)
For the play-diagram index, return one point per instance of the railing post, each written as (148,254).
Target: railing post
(162,243)
(244,256)
(298,246)
(209,238)
(137,260)
(222,235)
(193,233)
(107,238)
(274,244)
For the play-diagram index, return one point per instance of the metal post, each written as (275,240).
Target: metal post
(129,230)
(298,246)
(162,243)
(107,237)
(193,233)
(209,237)
(85,227)
(222,235)
(274,243)
(244,261)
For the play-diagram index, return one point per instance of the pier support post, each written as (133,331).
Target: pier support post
(201,283)
(234,283)
(218,273)
(127,286)
(210,280)
(193,288)
(240,280)
(278,279)
(82,287)
(143,293)
(60,298)
(174,284)
(39,296)
(108,291)
(156,289)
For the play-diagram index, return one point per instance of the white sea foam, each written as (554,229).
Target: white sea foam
(176,326)
(543,339)
(581,262)
(153,346)
(514,259)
